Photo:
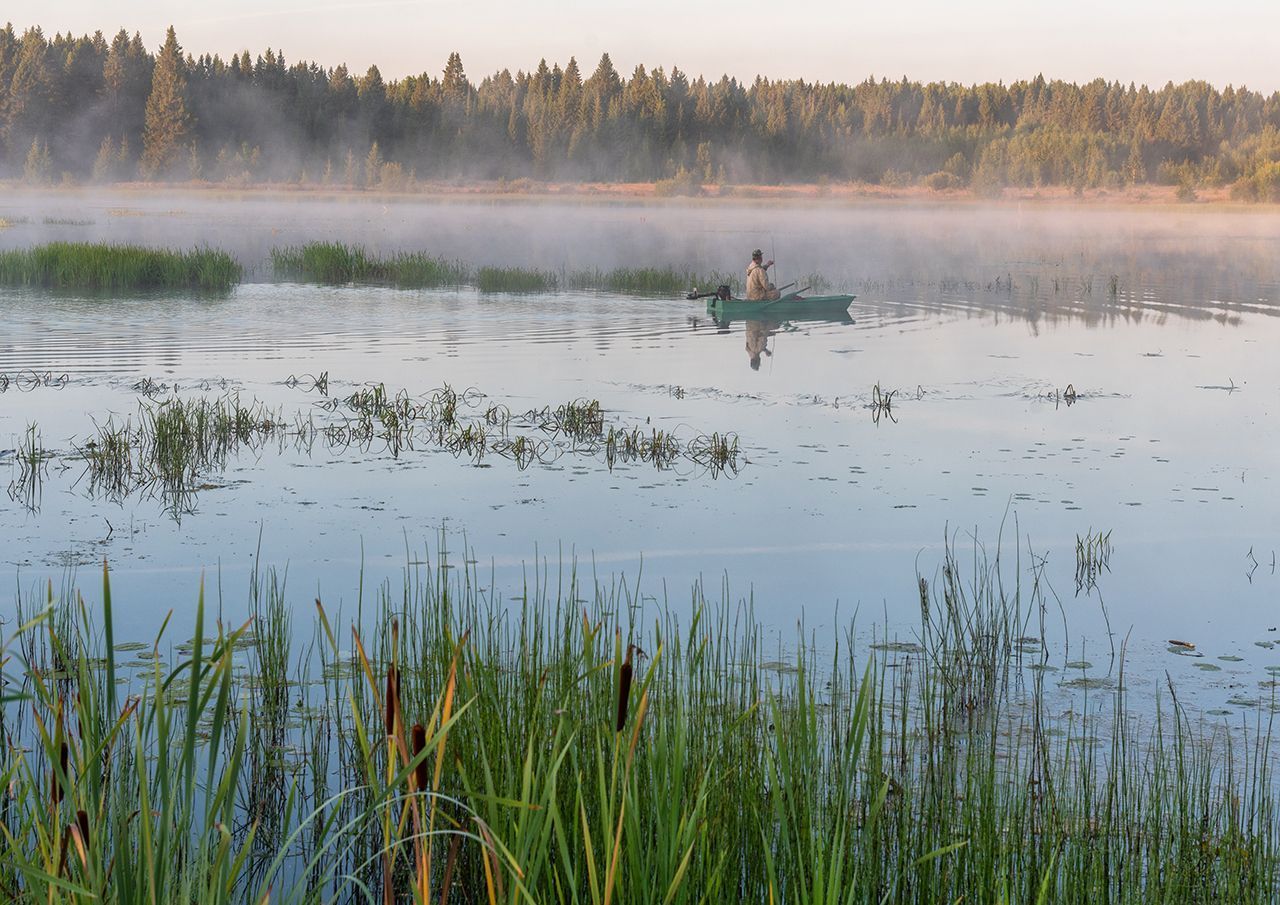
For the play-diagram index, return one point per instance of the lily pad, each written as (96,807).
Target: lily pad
(1088,683)
(898,647)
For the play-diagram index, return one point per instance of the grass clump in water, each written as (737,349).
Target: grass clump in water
(84,265)
(334,262)
(647,280)
(514,279)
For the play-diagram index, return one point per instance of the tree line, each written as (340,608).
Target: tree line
(92,109)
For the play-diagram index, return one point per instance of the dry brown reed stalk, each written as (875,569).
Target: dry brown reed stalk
(446,714)
(492,869)
(440,720)
(78,834)
(454,844)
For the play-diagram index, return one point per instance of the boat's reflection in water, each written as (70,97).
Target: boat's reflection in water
(759,330)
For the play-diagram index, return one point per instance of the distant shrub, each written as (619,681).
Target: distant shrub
(897,178)
(942,181)
(1186,192)
(987,188)
(957,166)
(682,184)
(391,177)
(1263,185)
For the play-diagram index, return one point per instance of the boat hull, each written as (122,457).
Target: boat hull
(789,307)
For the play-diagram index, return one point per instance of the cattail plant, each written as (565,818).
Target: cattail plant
(624,688)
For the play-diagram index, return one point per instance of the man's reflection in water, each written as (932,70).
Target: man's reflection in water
(758,333)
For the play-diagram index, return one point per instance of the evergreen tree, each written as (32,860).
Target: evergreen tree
(104,165)
(164,139)
(30,102)
(262,118)
(39,168)
(372,166)
(455,82)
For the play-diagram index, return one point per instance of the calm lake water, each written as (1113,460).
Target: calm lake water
(1165,324)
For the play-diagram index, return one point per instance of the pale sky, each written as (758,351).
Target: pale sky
(1230,41)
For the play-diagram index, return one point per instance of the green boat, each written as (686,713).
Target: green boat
(792,306)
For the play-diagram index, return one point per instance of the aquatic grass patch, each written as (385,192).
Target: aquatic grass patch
(1093,557)
(648,280)
(174,443)
(30,459)
(174,446)
(458,745)
(96,266)
(514,279)
(338,263)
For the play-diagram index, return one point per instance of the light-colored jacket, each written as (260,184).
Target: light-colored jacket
(758,286)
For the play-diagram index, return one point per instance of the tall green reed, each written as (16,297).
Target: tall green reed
(462,747)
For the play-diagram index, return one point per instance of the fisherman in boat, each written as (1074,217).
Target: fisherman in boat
(759,289)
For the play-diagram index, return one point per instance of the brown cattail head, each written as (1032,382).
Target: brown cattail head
(419,745)
(393,699)
(624,688)
(82,821)
(55,787)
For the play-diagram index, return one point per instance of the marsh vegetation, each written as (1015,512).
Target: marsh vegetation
(173,446)
(68,265)
(582,745)
(336,262)
(90,266)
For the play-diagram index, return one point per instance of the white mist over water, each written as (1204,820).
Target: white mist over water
(830,511)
